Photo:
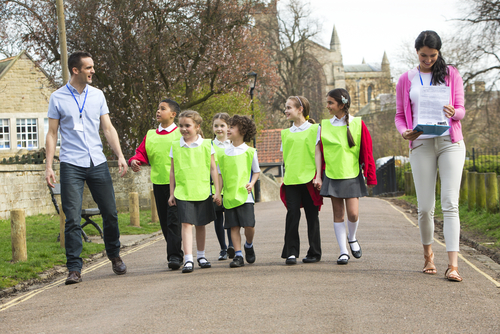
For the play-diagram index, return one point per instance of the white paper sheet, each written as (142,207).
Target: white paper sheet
(430,105)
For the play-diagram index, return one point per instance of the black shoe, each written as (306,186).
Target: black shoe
(237,262)
(249,254)
(188,267)
(174,264)
(230,252)
(205,264)
(73,278)
(356,254)
(310,259)
(223,255)
(119,267)
(291,260)
(343,261)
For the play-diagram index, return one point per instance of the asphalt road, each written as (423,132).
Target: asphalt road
(383,292)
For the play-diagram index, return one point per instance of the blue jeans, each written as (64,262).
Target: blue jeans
(101,187)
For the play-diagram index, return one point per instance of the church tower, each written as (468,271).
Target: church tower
(386,66)
(337,66)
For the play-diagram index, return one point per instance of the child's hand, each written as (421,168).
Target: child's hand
(171,201)
(249,187)
(136,165)
(371,185)
(317,182)
(217,199)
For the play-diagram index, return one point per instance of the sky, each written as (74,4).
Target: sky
(367,28)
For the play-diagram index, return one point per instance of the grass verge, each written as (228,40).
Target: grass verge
(484,227)
(43,248)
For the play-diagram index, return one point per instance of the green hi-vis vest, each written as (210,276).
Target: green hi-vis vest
(218,152)
(298,155)
(158,150)
(192,171)
(236,172)
(342,162)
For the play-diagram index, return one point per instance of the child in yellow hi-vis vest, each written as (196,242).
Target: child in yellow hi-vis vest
(152,150)
(192,165)
(239,170)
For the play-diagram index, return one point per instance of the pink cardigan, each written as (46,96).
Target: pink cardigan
(404,118)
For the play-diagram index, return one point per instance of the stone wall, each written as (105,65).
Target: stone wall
(24,187)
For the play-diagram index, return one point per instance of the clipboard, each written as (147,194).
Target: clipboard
(429,129)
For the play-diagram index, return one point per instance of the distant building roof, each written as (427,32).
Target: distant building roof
(4,63)
(362,68)
(268,146)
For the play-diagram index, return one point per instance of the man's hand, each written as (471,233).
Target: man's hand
(122,166)
(50,176)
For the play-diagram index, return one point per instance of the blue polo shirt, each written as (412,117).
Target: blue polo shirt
(80,140)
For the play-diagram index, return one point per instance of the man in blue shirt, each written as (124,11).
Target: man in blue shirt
(79,110)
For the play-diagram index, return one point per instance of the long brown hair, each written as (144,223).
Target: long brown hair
(341,96)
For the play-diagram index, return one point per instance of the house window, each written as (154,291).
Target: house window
(46,130)
(370,89)
(4,134)
(27,133)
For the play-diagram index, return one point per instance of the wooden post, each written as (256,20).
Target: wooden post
(409,185)
(18,235)
(480,191)
(471,195)
(438,186)
(133,209)
(464,187)
(154,211)
(491,192)
(62,223)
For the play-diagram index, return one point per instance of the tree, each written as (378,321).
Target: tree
(289,34)
(189,50)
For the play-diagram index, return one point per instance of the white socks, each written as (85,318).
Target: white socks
(188,257)
(201,254)
(340,233)
(353,227)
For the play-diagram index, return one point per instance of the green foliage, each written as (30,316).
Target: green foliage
(44,251)
(232,103)
(484,164)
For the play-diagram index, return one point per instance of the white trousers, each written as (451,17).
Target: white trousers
(426,156)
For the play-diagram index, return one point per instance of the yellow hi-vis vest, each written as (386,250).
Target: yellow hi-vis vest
(158,149)
(298,155)
(342,161)
(236,172)
(192,171)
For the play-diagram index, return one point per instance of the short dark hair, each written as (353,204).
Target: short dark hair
(245,125)
(75,60)
(174,106)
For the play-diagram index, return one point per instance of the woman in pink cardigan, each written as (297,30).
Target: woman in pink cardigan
(430,152)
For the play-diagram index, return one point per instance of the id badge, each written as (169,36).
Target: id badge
(78,127)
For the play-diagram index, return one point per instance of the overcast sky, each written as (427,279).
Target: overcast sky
(367,28)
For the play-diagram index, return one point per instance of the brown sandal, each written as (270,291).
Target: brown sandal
(452,277)
(429,267)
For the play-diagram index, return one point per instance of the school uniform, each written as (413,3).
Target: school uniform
(153,150)
(342,176)
(192,180)
(236,166)
(298,146)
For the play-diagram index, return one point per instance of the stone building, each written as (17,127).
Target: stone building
(25,90)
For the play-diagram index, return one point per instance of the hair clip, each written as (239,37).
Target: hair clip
(307,117)
(344,100)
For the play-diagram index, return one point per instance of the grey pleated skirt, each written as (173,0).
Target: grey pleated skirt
(344,188)
(197,213)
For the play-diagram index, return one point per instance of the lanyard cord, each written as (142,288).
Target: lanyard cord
(421,77)
(85,99)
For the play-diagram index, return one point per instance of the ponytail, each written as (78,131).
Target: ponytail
(350,140)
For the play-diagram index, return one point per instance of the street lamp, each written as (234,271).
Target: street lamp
(252,87)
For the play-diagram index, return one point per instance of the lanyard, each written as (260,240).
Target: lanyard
(421,78)
(84,100)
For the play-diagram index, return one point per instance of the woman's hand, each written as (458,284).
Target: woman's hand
(410,134)
(449,111)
